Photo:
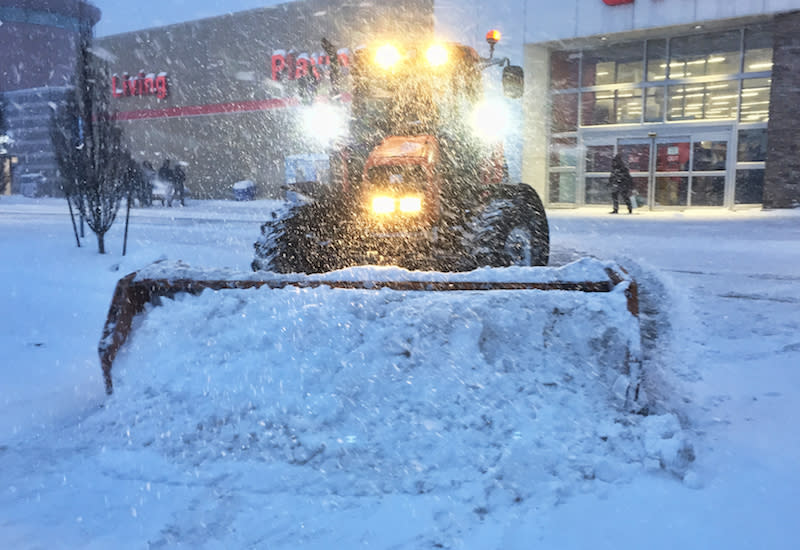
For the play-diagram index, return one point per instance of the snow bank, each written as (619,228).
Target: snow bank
(487,400)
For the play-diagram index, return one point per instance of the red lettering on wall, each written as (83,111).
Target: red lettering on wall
(278,66)
(292,66)
(140,84)
(617,2)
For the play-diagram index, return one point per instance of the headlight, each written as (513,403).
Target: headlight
(491,119)
(387,56)
(410,205)
(385,204)
(382,204)
(436,55)
(324,122)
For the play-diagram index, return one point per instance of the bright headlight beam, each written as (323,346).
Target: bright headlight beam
(387,56)
(324,122)
(410,205)
(383,204)
(436,55)
(491,119)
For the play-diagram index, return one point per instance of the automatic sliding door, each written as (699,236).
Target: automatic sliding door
(671,177)
(709,163)
(636,154)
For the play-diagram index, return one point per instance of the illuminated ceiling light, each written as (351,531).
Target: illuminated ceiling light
(756,66)
(717,59)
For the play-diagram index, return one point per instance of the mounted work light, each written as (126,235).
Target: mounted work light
(436,55)
(387,56)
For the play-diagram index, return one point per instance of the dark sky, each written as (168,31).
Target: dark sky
(123,16)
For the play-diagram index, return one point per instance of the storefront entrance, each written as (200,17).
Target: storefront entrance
(668,171)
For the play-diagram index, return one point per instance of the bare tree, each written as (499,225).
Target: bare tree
(88,145)
(4,140)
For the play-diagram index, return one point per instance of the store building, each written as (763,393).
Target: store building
(37,61)
(224,95)
(700,98)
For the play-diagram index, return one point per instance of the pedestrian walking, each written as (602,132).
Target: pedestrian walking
(166,175)
(621,184)
(179,178)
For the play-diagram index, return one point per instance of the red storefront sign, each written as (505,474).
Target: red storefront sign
(140,85)
(291,66)
(617,2)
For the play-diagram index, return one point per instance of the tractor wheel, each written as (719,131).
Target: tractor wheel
(512,229)
(304,238)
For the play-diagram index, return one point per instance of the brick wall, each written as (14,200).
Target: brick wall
(782,177)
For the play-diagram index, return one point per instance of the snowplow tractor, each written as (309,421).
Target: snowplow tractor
(420,179)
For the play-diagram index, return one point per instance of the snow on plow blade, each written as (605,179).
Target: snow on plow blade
(585,309)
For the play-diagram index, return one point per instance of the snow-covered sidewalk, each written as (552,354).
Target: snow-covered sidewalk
(538,461)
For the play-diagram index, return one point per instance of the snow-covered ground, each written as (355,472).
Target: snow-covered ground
(324,419)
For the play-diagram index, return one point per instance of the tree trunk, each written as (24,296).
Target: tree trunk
(101,243)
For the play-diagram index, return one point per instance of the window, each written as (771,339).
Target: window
(752,145)
(654,104)
(703,101)
(564,152)
(705,54)
(710,155)
(564,67)
(656,59)
(563,186)
(671,190)
(598,158)
(598,191)
(611,107)
(749,187)
(757,50)
(708,190)
(755,99)
(615,64)
(564,116)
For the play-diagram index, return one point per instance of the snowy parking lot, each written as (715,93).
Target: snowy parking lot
(168,461)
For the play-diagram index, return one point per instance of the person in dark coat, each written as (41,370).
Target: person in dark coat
(178,179)
(149,174)
(166,175)
(621,184)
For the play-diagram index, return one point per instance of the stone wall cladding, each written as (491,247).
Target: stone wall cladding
(782,176)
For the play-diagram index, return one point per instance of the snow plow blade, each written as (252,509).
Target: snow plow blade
(134,291)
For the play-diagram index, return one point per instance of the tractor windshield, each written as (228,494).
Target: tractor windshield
(413,92)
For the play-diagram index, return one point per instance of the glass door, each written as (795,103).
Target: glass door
(677,171)
(637,156)
(709,170)
(671,171)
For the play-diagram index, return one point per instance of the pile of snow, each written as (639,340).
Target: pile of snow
(487,400)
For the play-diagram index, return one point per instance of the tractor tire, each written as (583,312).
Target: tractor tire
(512,229)
(303,238)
